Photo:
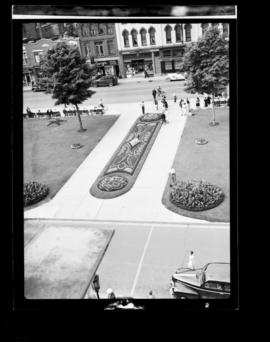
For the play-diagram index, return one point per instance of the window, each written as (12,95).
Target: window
(84,30)
(167,53)
(99,49)
(143,37)
(188,32)
(25,60)
(168,31)
(37,55)
(110,29)
(101,29)
(134,38)
(204,28)
(111,49)
(215,25)
(168,66)
(93,30)
(125,37)
(152,36)
(178,35)
(225,30)
(177,65)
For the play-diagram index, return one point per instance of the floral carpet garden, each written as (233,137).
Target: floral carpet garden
(119,175)
(47,154)
(204,162)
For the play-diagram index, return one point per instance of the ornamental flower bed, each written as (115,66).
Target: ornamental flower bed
(112,183)
(149,117)
(196,195)
(34,192)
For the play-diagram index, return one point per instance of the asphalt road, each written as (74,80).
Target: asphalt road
(143,257)
(124,92)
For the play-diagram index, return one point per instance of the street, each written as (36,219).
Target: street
(125,92)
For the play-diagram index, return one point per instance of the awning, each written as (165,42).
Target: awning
(61,257)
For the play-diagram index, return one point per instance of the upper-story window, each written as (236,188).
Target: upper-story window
(84,30)
(143,37)
(110,28)
(25,59)
(93,30)
(99,49)
(204,28)
(111,48)
(126,39)
(225,30)
(152,36)
(37,56)
(134,34)
(188,32)
(215,25)
(178,33)
(101,29)
(168,31)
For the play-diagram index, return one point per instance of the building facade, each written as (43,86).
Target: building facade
(33,52)
(157,48)
(99,46)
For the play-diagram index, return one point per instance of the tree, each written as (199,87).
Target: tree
(206,64)
(70,75)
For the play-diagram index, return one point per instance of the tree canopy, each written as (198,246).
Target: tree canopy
(206,64)
(70,73)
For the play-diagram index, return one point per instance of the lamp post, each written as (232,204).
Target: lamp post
(95,285)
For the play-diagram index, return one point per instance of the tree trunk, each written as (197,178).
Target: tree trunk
(80,120)
(213,109)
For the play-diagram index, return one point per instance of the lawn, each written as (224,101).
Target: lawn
(209,162)
(48,157)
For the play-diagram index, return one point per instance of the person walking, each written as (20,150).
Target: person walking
(156,103)
(174,97)
(143,107)
(188,105)
(159,90)
(198,103)
(163,116)
(191,261)
(110,294)
(172,175)
(154,93)
(206,102)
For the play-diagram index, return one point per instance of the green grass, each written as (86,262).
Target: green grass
(48,157)
(208,162)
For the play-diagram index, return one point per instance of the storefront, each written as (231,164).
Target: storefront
(171,59)
(139,61)
(110,67)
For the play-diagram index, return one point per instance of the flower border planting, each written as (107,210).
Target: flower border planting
(199,195)
(129,156)
(34,192)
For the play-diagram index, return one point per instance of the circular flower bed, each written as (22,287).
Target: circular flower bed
(34,192)
(150,117)
(112,183)
(196,195)
(201,141)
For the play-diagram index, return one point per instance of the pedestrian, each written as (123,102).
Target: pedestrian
(110,294)
(198,103)
(101,104)
(172,174)
(206,102)
(159,90)
(184,108)
(51,113)
(174,97)
(143,107)
(156,103)
(48,113)
(188,105)
(163,116)
(191,262)
(154,93)
(151,295)
(209,100)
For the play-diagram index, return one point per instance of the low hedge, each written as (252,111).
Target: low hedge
(34,192)
(196,195)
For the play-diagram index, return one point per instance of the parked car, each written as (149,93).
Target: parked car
(176,77)
(211,281)
(38,87)
(102,81)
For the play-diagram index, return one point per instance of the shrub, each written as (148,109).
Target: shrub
(34,192)
(196,195)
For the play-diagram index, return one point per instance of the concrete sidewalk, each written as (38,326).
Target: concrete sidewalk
(143,201)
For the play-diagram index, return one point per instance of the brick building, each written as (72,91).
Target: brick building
(98,44)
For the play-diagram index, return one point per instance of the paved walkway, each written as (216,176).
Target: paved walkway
(143,201)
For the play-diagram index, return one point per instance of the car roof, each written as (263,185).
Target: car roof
(218,271)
